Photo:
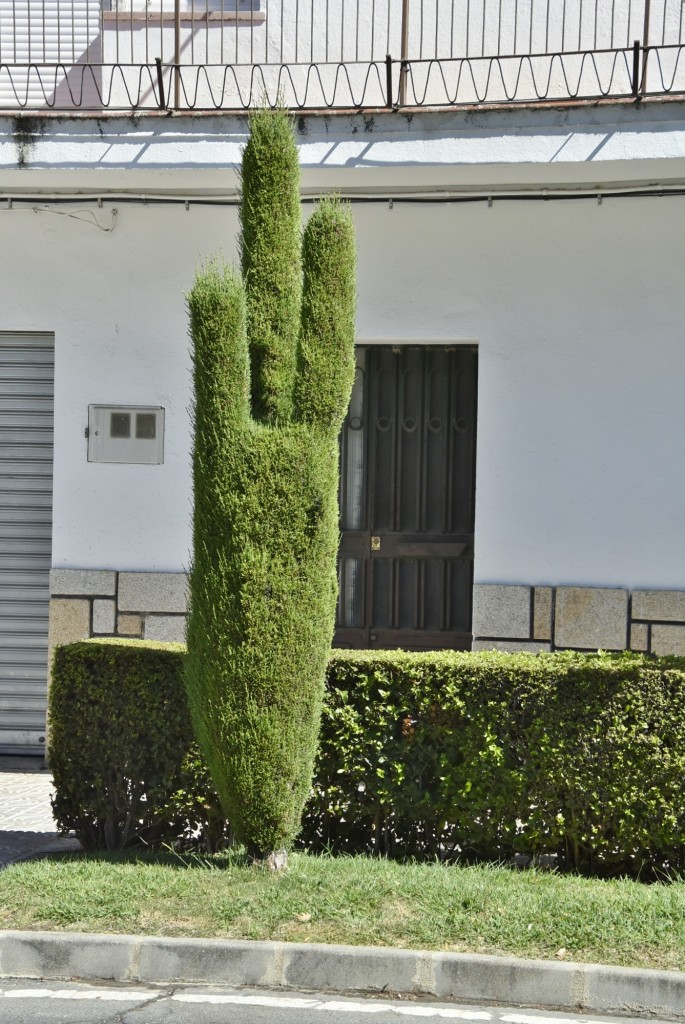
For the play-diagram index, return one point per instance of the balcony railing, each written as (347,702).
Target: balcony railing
(206,55)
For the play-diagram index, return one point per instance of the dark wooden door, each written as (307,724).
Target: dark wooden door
(407,490)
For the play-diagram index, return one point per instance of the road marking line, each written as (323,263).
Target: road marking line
(110,995)
(285,1002)
(431,1011)
(294,1003)
(335,1006)
(527,1018)
(355,1007)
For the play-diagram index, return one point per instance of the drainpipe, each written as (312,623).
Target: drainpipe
(177,54)
(404,51)
(645,50)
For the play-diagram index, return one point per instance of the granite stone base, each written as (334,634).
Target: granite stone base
(509,617)
(88,603)
(506,617)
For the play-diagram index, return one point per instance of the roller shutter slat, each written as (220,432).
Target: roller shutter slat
(20,560)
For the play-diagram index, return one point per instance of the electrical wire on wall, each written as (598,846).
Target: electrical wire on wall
(85,216)
(40,203)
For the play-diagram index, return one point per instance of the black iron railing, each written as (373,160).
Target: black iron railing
(123,55)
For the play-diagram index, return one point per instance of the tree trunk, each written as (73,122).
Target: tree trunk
(272,860)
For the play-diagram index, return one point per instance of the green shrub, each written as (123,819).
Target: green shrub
(490,754)
(267,415)
(121,748)
(421,755)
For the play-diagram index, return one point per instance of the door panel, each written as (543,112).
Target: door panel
(407,499)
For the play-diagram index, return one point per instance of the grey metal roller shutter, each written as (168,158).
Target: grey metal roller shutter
(26,423)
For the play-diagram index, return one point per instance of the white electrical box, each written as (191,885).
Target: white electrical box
(126,433)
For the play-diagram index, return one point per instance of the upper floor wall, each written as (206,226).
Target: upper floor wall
(123,55)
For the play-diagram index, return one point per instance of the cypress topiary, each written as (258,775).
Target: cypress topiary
(273,366)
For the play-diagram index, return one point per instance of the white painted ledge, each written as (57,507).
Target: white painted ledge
(607,144)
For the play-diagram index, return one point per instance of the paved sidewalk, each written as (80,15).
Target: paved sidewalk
(27,828)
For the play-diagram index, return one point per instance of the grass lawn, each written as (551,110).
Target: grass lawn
(354,900)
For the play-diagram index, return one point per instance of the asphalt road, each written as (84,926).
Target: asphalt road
(31,1002)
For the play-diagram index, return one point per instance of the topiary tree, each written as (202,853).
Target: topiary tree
(267,413)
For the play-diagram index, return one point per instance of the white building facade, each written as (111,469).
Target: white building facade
(513,458)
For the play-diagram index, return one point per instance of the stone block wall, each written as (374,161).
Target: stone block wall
(88,602)
(506,617)
(510,617)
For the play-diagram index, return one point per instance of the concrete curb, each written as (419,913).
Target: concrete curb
(345,969)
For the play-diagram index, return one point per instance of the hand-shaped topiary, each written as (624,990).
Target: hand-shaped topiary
(265,460)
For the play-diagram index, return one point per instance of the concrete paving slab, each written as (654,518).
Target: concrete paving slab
(27,826)
(501,979)
(353,968)
(231,963)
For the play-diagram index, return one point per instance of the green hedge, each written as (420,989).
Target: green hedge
(121,748)
(491,754)
(426,755)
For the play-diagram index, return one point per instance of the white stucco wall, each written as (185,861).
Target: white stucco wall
(577,310)
(115,303)
(578,313)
